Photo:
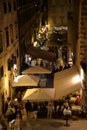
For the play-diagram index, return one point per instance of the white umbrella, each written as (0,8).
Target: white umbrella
(36,70)
(39,94)
(29,92)
(66,82)
(25,80)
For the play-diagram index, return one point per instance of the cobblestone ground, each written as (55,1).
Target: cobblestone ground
(53,124)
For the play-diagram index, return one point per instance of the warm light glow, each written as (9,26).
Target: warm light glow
(6,83)
(72,54)
(39,34)
(35,43)
(82,74)
(15,67)
(17,78)
(15,70)
(46,25)
(76,79)
(30,58)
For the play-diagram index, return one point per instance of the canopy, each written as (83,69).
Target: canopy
(39,53)
(66,82)
(25,80)
(36,70)
(39,94)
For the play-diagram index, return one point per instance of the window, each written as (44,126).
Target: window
(17,52)
(14,5)
(9,64)
(9,6)
(5,7)
(53,2)
(1,72)
(14,59)
(86,97)
(70,1)
(16,30)
(7,37)
(11,33)
(1,44)
(70,14)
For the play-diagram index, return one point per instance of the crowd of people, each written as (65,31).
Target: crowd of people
(57,68)
(15,108)
(34,110)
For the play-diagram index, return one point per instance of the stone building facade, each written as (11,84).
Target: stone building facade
(31,17)
(9,48)
(82,46)
(20,22)
(57,12)
(73,14)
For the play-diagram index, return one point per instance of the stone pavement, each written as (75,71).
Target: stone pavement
(53,124)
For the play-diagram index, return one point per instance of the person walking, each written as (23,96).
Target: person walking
(35,108)
(50,109)
(67,113)
(21,110)
(28,108)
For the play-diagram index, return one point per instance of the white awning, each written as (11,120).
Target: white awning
(36,70)
(66,82)
(25,80)
(39,94)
